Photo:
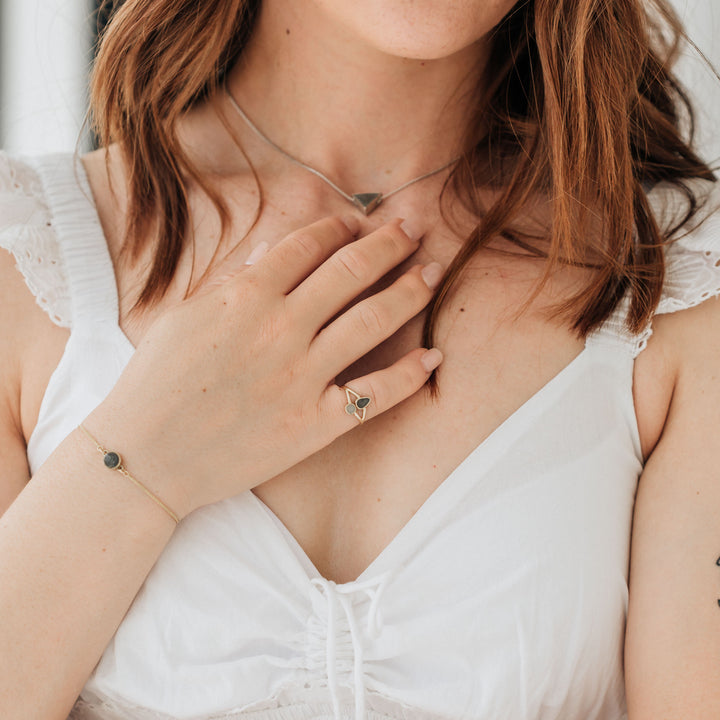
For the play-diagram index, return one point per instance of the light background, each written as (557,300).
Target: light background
(45,55)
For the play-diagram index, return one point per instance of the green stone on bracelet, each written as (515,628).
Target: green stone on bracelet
(112,460)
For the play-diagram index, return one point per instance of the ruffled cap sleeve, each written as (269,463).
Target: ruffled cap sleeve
(692,261)
(26,230)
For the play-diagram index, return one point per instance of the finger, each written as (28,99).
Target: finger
(369,322)
(351,270)
(229,269)
(258,251)
(296,256)
(384,388)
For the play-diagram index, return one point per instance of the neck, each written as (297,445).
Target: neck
(368,119)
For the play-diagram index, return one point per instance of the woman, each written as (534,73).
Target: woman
(457,549)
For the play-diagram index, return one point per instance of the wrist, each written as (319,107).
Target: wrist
(137,460)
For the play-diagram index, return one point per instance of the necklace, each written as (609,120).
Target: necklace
(367,201)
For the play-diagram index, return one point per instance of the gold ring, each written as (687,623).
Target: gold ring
(356,404)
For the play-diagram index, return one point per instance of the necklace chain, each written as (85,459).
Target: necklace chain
(367,202)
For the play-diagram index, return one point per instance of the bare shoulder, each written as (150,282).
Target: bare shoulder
(24,328)
(690,340)
(683,360)
(30,341)
(692,334)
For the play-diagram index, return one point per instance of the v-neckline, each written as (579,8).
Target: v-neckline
(441,500)
(446,495)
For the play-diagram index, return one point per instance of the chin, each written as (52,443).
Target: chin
(419,29)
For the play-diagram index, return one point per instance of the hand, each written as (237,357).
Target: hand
(235,385)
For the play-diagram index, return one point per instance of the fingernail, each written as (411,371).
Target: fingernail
(258,251)
(351,223)
(411,230)
(431,359)
(432,274)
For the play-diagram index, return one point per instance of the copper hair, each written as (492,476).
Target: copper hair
(582,108)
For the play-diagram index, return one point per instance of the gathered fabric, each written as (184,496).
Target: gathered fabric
(337,652)
(503,598)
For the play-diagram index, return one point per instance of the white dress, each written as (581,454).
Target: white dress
(503,598)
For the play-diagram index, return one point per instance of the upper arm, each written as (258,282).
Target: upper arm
(14,471)
(33,323)
(672,651)
(13,461)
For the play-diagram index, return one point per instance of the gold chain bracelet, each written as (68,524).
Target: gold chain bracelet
(113,461)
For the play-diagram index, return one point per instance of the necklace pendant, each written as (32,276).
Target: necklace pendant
(367,202)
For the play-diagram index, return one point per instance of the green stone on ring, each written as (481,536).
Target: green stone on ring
(350,409)
(362,402)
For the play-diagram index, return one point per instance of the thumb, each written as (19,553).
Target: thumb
(231,267)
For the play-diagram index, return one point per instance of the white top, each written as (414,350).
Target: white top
(504,597)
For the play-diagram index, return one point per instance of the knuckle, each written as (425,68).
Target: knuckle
(413,289)
(338,226)
(397,241)
(328,422)
(306,244)
(352,261)
(371,318)
(374,392)
(408,379)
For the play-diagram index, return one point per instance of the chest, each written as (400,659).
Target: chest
(501,597)
(346,503)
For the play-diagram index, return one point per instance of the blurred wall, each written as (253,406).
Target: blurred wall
(702,19)
(45,54)
(44,58)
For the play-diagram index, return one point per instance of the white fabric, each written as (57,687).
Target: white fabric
(504,597)
(27,232)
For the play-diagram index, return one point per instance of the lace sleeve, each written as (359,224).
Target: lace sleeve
(26,231)
(693,260)
(692,267)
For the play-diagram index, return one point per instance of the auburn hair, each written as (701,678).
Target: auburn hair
(581,108)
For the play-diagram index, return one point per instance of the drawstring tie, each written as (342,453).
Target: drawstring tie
(341,595)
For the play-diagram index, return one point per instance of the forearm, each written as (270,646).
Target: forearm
(75,547)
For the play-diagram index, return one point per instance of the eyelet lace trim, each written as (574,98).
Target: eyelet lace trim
(693,275)
(26,230)
(276,708)
(693,260)
(692,269)
(17,178)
